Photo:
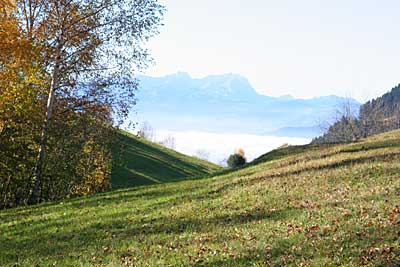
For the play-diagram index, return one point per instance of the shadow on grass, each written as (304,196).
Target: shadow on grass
(364,247)
(129,195)
(113,229)
(322,167)
(134,156)
(41,240)
(359,146)
(296,150)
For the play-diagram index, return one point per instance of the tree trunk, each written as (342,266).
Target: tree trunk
(34,194)
(5,193)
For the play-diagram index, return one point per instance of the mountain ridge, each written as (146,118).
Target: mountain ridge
(227,103)
(231,75)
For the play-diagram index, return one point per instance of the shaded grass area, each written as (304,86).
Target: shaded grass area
(140,162)
(332,206)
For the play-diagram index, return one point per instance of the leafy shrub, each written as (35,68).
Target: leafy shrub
(236,160)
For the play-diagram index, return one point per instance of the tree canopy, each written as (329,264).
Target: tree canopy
(67,75)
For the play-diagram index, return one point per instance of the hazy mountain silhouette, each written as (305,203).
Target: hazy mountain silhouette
(228,103)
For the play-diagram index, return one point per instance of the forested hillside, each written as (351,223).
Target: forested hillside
(381,114)
(376,116)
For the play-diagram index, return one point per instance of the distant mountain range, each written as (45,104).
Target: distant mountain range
(228,103)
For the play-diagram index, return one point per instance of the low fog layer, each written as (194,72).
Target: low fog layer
(218,146)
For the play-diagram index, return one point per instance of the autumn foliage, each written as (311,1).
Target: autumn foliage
(66,79)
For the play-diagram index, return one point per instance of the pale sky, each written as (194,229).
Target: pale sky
(304,48)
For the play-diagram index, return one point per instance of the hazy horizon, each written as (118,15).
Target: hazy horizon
(304,49)
(258,91)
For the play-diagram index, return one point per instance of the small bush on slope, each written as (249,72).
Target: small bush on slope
(236,160)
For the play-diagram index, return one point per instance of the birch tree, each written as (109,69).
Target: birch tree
(90,49)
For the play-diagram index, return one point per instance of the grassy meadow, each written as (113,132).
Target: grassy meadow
(333,205)
(140,162)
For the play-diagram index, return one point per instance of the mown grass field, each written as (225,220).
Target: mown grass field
(140,162)
(302,206)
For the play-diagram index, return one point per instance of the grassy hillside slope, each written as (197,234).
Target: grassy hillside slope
(326,206)
(140,162)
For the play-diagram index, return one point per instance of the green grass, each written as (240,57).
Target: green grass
(140,162)
(318,206)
